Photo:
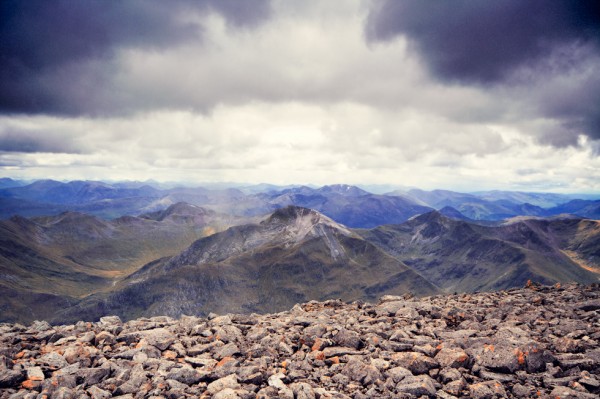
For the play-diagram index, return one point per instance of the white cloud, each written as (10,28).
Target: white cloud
(303,99)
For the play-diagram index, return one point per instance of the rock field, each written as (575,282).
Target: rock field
(534,342)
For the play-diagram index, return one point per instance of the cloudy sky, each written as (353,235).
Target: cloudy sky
(461,95)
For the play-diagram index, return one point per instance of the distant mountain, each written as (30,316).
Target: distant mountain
(265,188)
(492,206)
(453,213)
(5,182)
(584,208)
(75,192)
(349,205)
(10,206)
(460,256)
(346,204)
(73,254)
(343,190)
(294,255)
(542,200)
(49,197)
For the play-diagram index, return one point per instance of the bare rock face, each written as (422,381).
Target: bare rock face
(537,341)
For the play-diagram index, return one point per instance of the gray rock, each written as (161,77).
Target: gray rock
(487,390)
(364,373)
(91,376)
(452,357)
(110,321)
(347,338)
(448,374)
(226,393)
(11,378)
(158,337)
(231,381)
(65,393)
(187,375)
(35,373)
(200,361)
(339,351)
(416,362)
(97,393)
(104,338)
(589,305)
(397,374)
(488,375)
(53,361)
(302,390)
(501,357)
(39,326)
(568,393)
(224,351)
(418,386)
(522,391)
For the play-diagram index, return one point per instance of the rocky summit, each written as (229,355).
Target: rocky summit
(538,341)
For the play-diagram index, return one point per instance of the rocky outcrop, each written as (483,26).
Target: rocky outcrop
(530,342)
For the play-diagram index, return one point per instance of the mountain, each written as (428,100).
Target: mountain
(71,255)
(349,205)
(5,182)
(453,213)
(460,256)
(468,205)
(584,208)
(343,190)
(294,255)
(346,204)
(491,206)
(50,197)
(543,200)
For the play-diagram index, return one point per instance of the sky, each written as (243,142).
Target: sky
(461,95)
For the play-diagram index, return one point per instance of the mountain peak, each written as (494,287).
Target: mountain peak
(179,210)
(452,213)
(291,212)
(427,217)
(343,189)
(293,224)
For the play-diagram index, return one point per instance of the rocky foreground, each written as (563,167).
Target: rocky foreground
(523,343)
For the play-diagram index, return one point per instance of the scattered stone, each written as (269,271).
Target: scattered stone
(523,343)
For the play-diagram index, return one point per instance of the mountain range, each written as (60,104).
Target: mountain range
(459,256)
(345,204)
(71,255)
(294,255)
(83,249)
(189,260)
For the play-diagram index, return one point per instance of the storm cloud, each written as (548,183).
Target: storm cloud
(513,43)
(476,41)
(58,56)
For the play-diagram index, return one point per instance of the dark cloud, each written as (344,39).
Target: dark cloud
(47,46)
(25,141)
(482,41)
(506,43)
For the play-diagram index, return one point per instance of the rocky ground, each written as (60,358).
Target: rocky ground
(530,342)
